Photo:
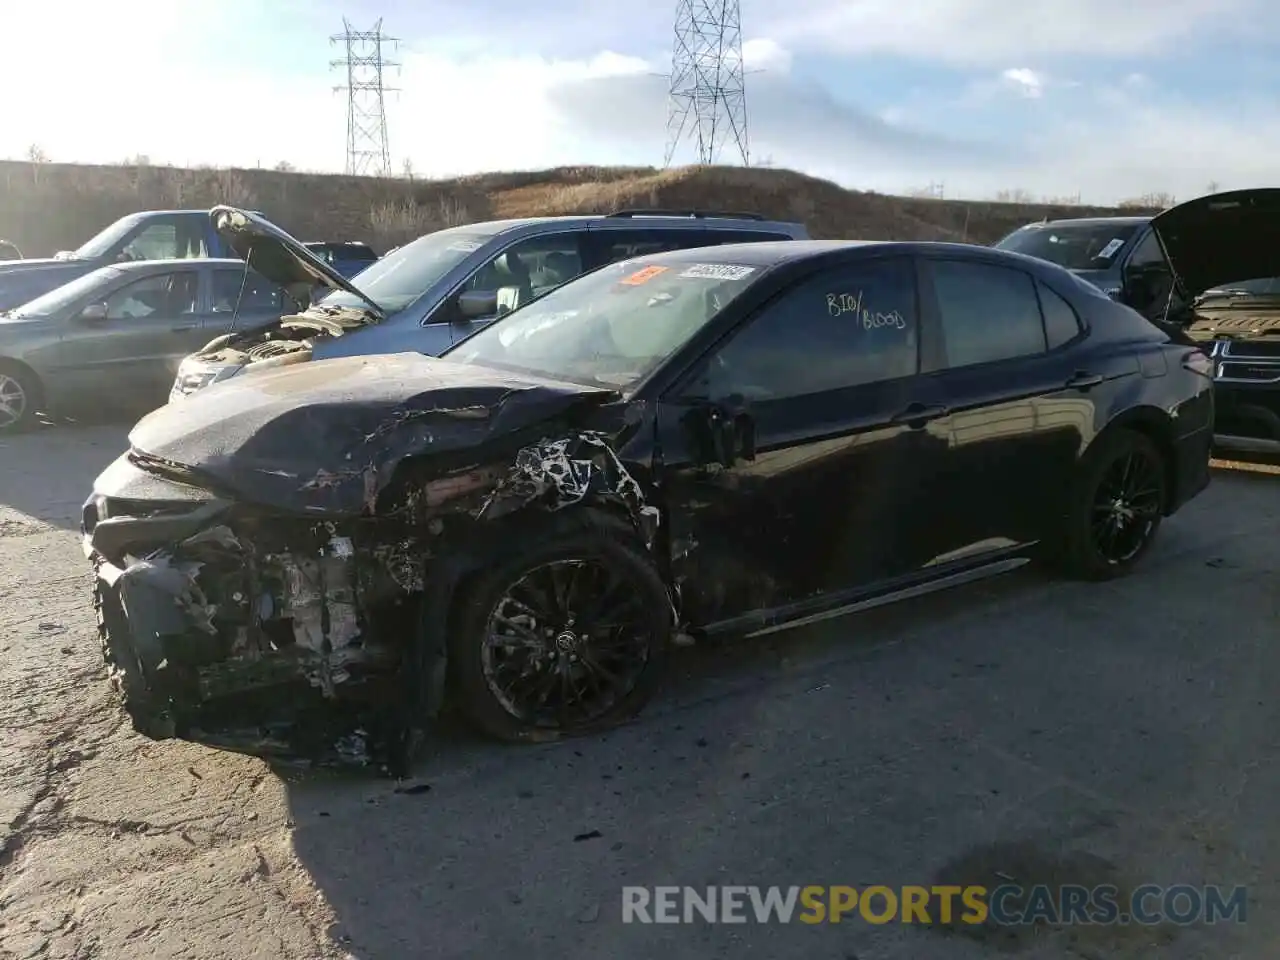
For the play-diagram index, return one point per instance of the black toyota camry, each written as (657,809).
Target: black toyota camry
(313,560)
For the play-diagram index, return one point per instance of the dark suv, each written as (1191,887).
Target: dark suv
(1207,270)
(429,294)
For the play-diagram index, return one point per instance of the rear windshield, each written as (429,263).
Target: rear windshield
(1076,246)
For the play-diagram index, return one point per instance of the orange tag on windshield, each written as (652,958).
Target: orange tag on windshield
(643,276)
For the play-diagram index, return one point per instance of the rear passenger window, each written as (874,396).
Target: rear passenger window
(988,313)
(1061,325)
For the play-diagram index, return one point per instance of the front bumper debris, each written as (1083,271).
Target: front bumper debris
(300,639)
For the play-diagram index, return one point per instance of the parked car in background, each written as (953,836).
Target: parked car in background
(117,334)
(148,235)
(1224,251)
(439,289)
(727,440)
(347,257)
(9,251)
(1119,255)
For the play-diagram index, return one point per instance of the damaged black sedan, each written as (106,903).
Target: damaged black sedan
(315,560)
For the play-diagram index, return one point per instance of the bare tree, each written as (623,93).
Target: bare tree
(284,166)
(407,167)
(1016,195)
(36,154)
(1212,187)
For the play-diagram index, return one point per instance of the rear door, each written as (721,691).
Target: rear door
(1010,364)
(829,500)
(240,300)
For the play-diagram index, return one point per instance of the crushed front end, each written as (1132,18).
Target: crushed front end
(277,636)
(300,638)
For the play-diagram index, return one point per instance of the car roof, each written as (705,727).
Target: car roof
(774,252)
(158,266)
(638,219)
(1133,221)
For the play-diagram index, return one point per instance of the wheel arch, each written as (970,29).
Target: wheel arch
(28,373)
(1158,427)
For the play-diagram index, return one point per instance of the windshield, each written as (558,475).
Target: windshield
(613,326)
(1263,287)
(102,243)
(1076,246)
(55,301)
(403,276)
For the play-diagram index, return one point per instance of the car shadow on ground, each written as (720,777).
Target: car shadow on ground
(546,823)
(973,730)
(31,497)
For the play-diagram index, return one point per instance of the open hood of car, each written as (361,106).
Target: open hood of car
(278,256)
(324,438)
(1213,240)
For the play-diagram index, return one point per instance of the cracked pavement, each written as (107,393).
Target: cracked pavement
(1124,732)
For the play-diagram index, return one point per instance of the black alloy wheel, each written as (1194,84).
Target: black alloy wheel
(567,638)
(1118,505)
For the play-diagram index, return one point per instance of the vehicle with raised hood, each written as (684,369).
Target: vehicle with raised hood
(313,561)
(429,294)
(114,337)
(1224,252)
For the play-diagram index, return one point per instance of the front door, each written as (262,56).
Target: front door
(823,373)
(150,324)
(523,271)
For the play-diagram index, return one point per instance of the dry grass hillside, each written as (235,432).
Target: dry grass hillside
(46,207)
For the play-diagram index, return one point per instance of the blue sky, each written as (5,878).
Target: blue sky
(1055,97)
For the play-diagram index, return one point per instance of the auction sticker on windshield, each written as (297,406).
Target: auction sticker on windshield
(717,271)
(1109,251)
(643,276)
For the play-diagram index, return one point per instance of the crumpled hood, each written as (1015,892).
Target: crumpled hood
(1213,240)
(324,438)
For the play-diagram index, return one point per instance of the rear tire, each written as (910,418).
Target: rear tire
(566,636)
(20,397)
(1115,507)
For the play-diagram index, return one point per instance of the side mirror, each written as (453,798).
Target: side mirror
(475,304)
(721,433)
(93,313)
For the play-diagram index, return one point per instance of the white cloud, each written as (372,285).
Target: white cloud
(464,109)
(1026,81)
(986,32)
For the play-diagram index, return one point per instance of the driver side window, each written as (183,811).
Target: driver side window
(845,327)
(529,268)
(165,240)
(167,294)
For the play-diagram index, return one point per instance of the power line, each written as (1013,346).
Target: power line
(367,148)
(708,99)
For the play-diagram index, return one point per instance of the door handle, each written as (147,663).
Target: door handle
(918,414)
(1083,380)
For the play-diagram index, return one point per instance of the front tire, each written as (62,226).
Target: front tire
(567,636)
(1116,506)
(19,397)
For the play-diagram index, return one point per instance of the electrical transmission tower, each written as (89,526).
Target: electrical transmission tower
(708,99)
(367,150)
